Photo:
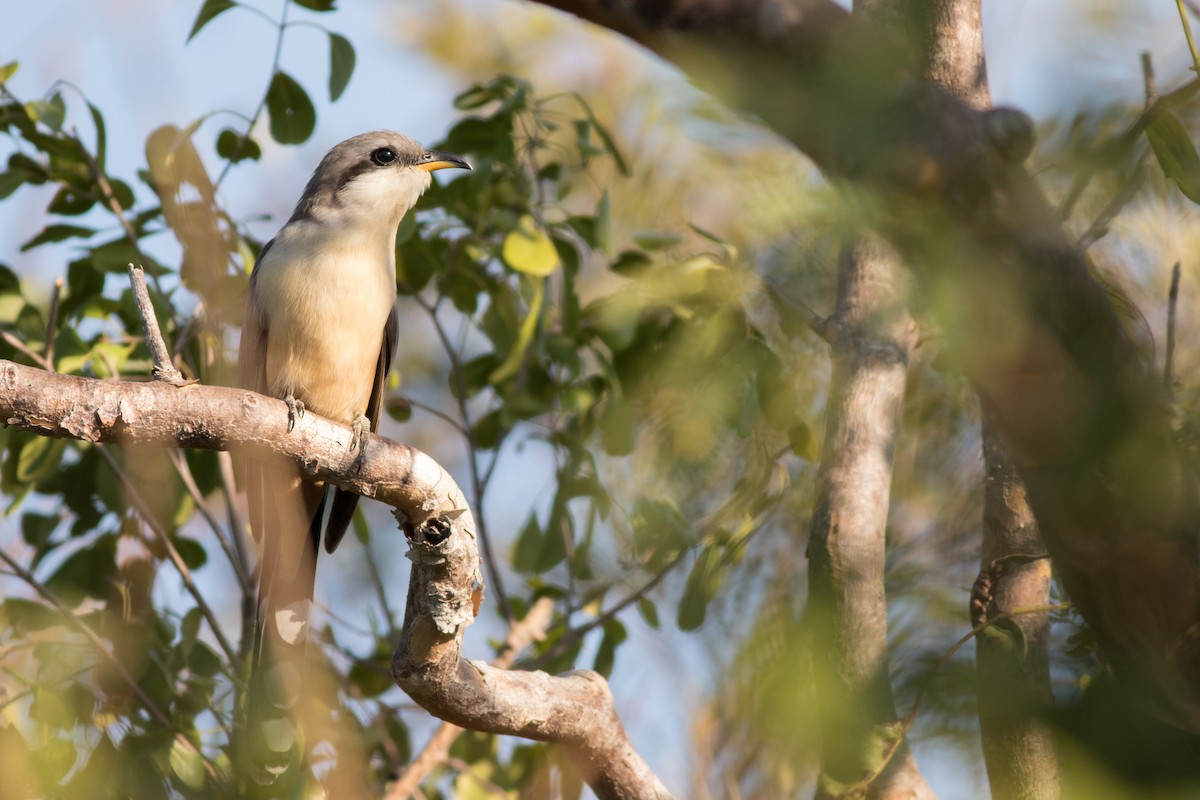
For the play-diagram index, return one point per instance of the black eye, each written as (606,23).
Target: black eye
(383,156)
(427,157)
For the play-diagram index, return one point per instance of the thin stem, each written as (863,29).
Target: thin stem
(442,415)
(184,471)
(477,483)
(1187,31)
(181,566)
(25,350)
(1172,304)
(52,320)
(262,104)
(164,367)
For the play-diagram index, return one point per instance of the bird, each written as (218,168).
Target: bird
(319,331)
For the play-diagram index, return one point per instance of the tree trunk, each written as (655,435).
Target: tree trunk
(872,337)
(1012,663)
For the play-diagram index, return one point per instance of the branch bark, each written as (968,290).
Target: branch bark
(1013,661)
(872,338)
(1081,415)
(445,587)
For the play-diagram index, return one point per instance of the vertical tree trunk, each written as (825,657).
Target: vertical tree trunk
(872,337)
(1012,664)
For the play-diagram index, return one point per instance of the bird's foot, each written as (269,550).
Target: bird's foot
(295,411)
(362,434)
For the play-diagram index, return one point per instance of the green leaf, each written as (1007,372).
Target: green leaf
(656,240)
(235,147)
(11,181)
(606,653)
(57,233)
(192,552)
(1175,153)
(341,65)
(803,442)
(187,765)
(617,428)
(293,117)
(7,71)
(189,630)
(39,457)
(101,136)
(529,250)
(528,547)
(524,337)
(87,572)
(27,616)
(702,584)
(52,113)
(648,611)
(316,5)
(208,11)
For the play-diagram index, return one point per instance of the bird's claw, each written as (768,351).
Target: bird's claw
(295,411)
(362,434)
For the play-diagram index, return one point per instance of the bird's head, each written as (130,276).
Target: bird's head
(377,175)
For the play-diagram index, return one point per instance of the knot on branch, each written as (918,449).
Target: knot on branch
(1009,132)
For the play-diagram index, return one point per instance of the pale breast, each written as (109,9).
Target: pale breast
(326,300)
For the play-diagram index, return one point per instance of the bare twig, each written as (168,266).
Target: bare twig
(1172,304)
(477,483)
(179,461)
(145,512)
(1187,32)
(52,320)
(25,350)
(164,369)
(1149,84)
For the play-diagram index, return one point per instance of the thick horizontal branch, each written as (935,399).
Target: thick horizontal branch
(445,588)
(221,418)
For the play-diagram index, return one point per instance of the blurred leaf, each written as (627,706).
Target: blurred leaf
(39,457)
(803,442)
(208,12)
(1175,152)
(606,653)
(192,552)
(648,612)
(52,113)
(187,765)
(341,65)
(524,337)
(293,117)
(529,250)
(87,572)
(372,677)
(8,70)
(57,233)
(703,582)
(317,5)
(617,427)
(235,147)
(656,240)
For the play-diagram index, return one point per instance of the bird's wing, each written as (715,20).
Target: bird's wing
(344,503)
(284,516)
(252,374)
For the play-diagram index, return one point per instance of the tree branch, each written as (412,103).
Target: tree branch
(445,586)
